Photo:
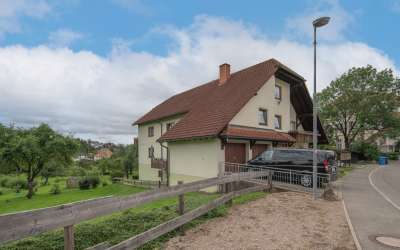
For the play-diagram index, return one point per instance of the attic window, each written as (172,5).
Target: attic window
(278,92)
(170,125)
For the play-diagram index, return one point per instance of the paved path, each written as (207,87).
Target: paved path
(372,198)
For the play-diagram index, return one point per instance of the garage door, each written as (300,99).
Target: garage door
(258,149)
(235,152)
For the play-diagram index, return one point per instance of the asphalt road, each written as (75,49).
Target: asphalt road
(372,199)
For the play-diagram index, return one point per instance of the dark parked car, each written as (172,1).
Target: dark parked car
(298,160)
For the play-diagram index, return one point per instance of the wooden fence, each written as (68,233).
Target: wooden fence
(20,225)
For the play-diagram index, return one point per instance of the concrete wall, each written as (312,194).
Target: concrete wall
(265,99)
(145,170)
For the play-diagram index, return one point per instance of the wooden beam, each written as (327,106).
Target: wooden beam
(19,225)
(69,239)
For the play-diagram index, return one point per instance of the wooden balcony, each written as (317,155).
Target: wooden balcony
(158,163)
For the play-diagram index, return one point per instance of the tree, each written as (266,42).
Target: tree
(363,99)
(31,150)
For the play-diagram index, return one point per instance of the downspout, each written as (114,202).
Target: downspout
(168,168)
(162,155)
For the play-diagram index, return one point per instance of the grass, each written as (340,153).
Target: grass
(120,226)
(10,201)
(343,171)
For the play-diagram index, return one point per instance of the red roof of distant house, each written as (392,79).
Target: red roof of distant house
(208,108)
(239,132)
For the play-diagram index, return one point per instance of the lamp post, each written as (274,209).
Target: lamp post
(319,22)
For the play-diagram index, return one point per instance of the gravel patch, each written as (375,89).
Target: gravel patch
(286,220)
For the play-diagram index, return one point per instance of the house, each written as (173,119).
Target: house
(102,154)
(230,119)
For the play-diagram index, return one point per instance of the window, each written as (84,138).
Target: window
(151,152)
(170,125)
(262,116)
(151,131)
(293,126)
(278,92)
(278,122)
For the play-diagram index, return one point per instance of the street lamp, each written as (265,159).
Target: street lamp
(319,22)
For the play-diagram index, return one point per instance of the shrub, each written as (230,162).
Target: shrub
(393,156)
(94,181)
(105,184)
(116,174)
(84,184)
(367,150)
(55,189)
(4,180)
(1,192)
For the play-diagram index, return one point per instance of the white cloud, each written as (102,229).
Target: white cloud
(97,96)
(12,10)
(335,31)
(63,38)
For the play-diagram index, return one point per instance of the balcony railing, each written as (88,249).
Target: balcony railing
(158,163)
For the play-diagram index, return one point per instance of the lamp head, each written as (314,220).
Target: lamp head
(319,22)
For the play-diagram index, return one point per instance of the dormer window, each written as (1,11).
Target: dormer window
(263,117)
(278,92)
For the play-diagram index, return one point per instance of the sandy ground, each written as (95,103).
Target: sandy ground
(285,220)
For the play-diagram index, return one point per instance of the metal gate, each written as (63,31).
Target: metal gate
(280,177)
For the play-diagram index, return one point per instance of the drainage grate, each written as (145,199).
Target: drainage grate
(389,241)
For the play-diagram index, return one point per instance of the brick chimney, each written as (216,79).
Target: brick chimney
(224,73)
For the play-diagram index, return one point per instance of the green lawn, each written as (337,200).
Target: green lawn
(10,201)
(122,225)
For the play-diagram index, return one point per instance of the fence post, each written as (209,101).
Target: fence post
(181,202)
(221,172)
(228,188)
(270,173)
(69,241)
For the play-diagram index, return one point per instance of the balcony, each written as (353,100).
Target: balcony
(158,163)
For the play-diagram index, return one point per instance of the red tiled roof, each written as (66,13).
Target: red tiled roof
(259,134)
(210,107)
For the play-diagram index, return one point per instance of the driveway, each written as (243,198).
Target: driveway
(286,220)
(372,198)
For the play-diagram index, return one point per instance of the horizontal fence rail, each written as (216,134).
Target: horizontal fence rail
(20,225)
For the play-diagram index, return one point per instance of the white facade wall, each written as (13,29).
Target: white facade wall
(265,99)
(145,142)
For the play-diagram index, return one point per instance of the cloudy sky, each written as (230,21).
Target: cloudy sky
(91,68)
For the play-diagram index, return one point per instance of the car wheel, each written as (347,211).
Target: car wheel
(306,180)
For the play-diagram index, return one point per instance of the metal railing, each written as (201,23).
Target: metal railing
(281,176)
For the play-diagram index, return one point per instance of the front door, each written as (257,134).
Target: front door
(258,149)
(235,152)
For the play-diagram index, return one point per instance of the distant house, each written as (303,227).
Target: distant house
(230,119)
(102,154)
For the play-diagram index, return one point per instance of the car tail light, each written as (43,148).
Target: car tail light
(326,165)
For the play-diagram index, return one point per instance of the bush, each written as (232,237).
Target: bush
(105,184)
(366,150)
(55,189)
(84,184)
(94,181)
(4,180)
(1,192)
(393,156)
(89,182)
(116,174)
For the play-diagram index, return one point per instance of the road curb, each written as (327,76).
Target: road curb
(353,232)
